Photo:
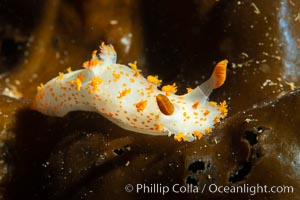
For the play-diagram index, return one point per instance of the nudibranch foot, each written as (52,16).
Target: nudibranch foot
(122,95)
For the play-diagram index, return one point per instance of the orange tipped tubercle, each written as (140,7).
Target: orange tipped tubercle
(216,80)
(219,73)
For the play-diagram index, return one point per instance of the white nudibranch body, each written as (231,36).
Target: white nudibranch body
(122,95)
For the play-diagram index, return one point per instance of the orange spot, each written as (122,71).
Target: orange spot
(217,119)
(223,109)
(136,74)
(198,134)
(196,104)
(154,79)
(40,87)
(150,88)
(94,53)
(164,104)
(141,105)
(80,77)
(116,76)
(203,119)
(78,81)
(60,76)
(95,84)
(134,66)
(189,90)
(55,108)
(131,80)
(159,127)
(206,112)
(169,88)
(180,137)
(214,104)
(208,130)
(69,69)
(85,64)
(124,92)
(93,63)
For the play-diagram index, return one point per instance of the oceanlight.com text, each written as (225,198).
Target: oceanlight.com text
(158,188)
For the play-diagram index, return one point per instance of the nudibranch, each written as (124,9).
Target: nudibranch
(122,95)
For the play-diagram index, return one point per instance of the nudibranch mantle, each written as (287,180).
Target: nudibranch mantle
(121,94)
